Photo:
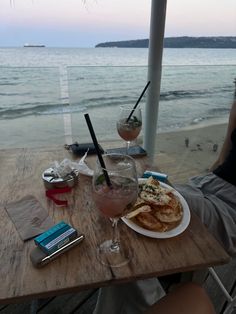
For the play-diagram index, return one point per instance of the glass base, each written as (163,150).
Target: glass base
(113,255)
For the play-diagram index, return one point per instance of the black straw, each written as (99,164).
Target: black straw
(95,142)
(140,97)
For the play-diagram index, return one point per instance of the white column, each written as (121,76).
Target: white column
(156,38)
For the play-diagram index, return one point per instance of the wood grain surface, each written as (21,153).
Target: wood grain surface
(78,269)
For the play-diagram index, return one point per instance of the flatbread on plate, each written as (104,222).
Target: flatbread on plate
(157,208)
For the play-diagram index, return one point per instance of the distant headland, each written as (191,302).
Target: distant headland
(177,42)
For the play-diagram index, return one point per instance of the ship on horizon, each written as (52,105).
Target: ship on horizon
(34,45)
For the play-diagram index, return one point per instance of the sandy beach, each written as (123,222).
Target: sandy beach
(179,161)
(174,156)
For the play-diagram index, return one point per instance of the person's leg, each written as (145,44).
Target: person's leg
(186,299)
(130,298)
(214,201)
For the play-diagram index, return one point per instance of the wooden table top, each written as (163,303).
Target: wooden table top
(78,269)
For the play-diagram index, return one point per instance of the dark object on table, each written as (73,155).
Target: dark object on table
(52,181)
(80,149)
(40,258)
(132,151)
(160,176)
(55,237)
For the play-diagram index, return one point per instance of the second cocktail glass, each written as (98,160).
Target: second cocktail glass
(128,126)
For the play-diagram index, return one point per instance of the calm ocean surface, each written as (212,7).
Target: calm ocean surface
(40,86)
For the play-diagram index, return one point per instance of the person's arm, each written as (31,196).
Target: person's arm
(227,145)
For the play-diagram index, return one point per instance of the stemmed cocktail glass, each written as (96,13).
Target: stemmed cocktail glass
(114,200)
(129,124)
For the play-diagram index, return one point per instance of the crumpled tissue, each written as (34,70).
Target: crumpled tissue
(67,167)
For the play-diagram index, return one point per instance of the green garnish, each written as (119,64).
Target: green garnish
(100,179)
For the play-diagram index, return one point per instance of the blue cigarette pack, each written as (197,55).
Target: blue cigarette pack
(55,237)
(156,175)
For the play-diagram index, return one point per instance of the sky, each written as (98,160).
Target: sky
(85,23)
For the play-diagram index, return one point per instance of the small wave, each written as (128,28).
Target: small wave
(79,78)
(14,94)
(179,94)
(14,113)
(8,84)
(226,88)
(63,110)
(220,111)
(39,108)
(207,118)
(198,120)
(174,94)
(105,102)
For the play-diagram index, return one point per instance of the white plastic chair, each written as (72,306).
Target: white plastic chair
(231,300)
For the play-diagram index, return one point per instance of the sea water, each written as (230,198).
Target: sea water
(44,92)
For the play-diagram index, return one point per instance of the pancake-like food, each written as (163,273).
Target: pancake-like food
(157,208)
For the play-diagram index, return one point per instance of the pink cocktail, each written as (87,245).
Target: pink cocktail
(115,189)
(130,130)
(129,127)
(112,202)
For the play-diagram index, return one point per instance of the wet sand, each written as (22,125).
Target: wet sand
(189,152)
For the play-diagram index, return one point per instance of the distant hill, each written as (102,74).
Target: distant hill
(177,42)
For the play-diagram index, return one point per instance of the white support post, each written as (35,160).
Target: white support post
(156,38)
(235,88)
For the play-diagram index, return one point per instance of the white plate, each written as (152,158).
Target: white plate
(168,234)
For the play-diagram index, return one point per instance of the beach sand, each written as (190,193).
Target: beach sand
(181,162)
(172,155)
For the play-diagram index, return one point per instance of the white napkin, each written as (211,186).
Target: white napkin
(67,166)
(29,217)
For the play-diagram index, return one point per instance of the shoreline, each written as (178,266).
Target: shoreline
(201,124)
(173,156)
(47,130)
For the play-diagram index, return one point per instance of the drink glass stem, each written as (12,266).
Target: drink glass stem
(115,236)
(127,147)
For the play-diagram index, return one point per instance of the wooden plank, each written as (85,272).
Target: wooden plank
(16,308)
(68,303)
(83,302)
(24,307)
(2,307)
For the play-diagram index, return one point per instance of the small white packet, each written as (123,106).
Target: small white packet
(83,168)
